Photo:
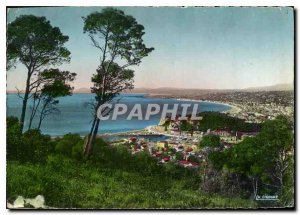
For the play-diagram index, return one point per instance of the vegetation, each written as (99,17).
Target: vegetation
(262,165)
(216,120)
(31,146)
(50,85)
(67,183)
(110,178)
(113,177)
(33,42)
(210,140)
(186,126)
(118,37)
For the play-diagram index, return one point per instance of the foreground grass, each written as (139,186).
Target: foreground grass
(67,183)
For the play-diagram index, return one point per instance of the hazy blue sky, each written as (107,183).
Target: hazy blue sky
(195,47)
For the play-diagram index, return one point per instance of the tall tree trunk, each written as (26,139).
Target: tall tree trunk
(33,112)
(22,119)
(94,130)
(254,186)
(25,99)
(40,122)
(92,137)
(42,115)
(30,121)
(87,142)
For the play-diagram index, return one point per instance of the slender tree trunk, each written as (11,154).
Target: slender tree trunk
(24,106)
(33,112)
(32,115)
(25,99)
(204,175)
(42,115)
(91,138)
(238,181)
(254,186)
(30,121)
(86,149)
(40,122)
(94,130)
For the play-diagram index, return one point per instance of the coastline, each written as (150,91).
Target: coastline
(233,108)
(148,130)
(151,129)
(107,134)
(166,96)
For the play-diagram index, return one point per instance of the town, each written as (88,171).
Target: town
(179,146)
(254,107)
(182,139)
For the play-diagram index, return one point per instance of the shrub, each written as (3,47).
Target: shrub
(65,144)
(179,155)
(77,150)
(13,138)
(193,158)
(36,146)
(32,146)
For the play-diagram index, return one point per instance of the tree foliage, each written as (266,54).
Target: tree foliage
(118,37)
(216,120)
(116,78)
(31,146)
(210,140)
(35,43)
(50,85)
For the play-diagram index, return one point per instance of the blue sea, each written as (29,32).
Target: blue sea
(76,116)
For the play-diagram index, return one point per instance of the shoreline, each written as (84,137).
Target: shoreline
(148,130)
(233,108)
(150,95)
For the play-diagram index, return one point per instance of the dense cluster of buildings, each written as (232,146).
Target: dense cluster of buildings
(256,107)
(183,149)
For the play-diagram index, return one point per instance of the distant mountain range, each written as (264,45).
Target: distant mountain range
(277,87)
(170,90)
(82,90)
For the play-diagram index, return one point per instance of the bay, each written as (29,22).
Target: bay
(76,115)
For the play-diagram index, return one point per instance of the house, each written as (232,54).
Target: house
(132,139)
(161,144)
(166,159)
(144,146)
(172,145)
(223,132)
(189,151)
(158,154)
(189,146)
(191,164)
(227,145)
(179,148)
(243,135)
(175,131)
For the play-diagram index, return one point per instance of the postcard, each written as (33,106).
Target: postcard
(150,108)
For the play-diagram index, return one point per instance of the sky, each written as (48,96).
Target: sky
(195,47)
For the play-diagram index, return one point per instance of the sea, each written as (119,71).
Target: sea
(76,113)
